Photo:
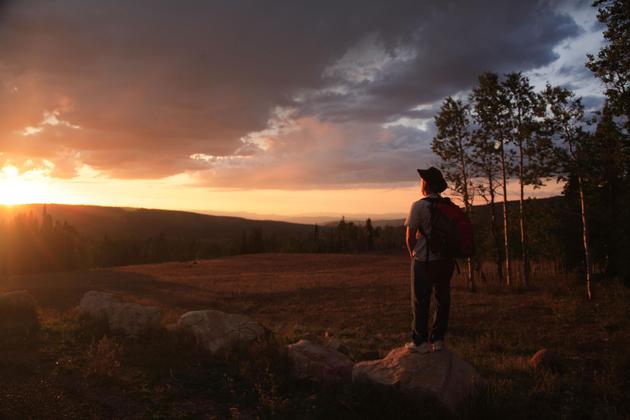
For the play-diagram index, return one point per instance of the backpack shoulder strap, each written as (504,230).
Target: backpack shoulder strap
(431,201)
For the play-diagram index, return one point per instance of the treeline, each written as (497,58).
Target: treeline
(506,131)
(31,243)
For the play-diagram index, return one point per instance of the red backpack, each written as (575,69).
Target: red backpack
(451,230)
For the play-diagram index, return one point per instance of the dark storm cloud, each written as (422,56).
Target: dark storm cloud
(140,86)
(453,45)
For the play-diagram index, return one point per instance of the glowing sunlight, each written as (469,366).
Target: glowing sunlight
(23,188)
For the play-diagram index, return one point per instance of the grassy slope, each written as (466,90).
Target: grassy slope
(360,299)
(121,222)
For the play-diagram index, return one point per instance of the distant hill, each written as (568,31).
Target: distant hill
(310,218)
(375,222)
(139,223)
(481,212)
(82,236)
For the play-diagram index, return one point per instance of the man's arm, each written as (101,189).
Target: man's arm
(417,217)
(411,223)
(410,239)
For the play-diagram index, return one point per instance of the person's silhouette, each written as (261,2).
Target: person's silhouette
(428,270)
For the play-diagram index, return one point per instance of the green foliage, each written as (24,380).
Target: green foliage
(453,144)
(602,158)
(608,150)
(612,63)
(507,130)
(489,108)
(532,157)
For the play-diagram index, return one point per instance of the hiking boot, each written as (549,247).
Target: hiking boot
(423,348)
(438,345)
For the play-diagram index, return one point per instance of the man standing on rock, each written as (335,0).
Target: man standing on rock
(428,270)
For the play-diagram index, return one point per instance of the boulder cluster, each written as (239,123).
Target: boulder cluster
(215,331)
(442,375)
(131,319)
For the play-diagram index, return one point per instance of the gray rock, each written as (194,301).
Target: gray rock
(97,304)
(218,331)
(131,319)
(319,363)
(18,313)
(134,319)
(442,375)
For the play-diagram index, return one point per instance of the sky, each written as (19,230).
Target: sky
(277,108)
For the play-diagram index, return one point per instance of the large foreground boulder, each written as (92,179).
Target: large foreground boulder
(18,313)
(218,331)
(319,363)
(129,318)
(442,374)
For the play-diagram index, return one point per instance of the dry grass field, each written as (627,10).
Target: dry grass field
(362,300)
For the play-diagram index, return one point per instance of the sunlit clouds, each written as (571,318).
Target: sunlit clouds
(30,186)
(246,106)
(48,119)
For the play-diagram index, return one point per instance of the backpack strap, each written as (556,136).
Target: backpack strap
(431,202)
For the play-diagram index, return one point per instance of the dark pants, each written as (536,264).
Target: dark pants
(423,282)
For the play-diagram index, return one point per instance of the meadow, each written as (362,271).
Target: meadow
(76,369)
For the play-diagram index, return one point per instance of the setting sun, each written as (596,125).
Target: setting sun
(22,188)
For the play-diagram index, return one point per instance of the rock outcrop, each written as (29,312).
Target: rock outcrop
(323,364)
(218,331)
(442,375)
(131,319)
(18,313)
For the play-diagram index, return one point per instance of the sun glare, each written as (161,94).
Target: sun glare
(28,187)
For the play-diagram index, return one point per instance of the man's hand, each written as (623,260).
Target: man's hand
(411,239)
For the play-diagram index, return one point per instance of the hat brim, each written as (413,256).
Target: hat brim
(438,187)
(422,172)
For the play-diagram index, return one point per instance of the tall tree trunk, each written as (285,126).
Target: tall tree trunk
(471,277)
(495,230)
(612,237)
(469,260)
(506,240)
(467,205)
(469,264)
(521,220)
(585,242)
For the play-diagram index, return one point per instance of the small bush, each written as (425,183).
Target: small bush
(103,357)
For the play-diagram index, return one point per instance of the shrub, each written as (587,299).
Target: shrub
(103,357)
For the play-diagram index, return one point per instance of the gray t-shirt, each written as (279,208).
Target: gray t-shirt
(419,218)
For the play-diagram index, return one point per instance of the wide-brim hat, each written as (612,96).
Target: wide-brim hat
(433,177)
